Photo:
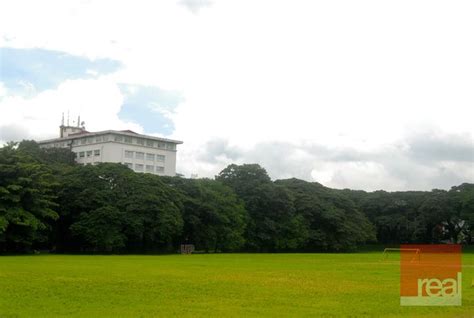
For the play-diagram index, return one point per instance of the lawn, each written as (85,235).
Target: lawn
(218,285)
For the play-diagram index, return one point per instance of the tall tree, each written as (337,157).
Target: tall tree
(273,224)
(27,201)
(153,214)
(214,217)
(331,220)
(464,196)
(108,207)
(50,156)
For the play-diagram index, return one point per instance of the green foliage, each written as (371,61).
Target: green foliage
(51,156)
(154,213)
(110,207)
(214,217)
(244,178)
(419,217)
(273,224)
(27,201)
(331,220)
(47,201)
(464,196)
(395,215)
(101,228)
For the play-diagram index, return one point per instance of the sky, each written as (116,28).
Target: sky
(360,94)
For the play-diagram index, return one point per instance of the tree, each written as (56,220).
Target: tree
(464,196)
(273,224)
(27,200)
(47,201)
(101,228)
(143,213)
(153,214)
(331,220)
(442,212)
(244,178)
(214,217)
(50,156)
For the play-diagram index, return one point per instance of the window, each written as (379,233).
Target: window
(81,154)
(150,157)
(128,139)
(118,138)
(170,146)
(149,143)
(160,169)
(140,141)
(160,158)
(75,142)
(105,138)
(90,140)
(83,141)
(129,165)
(140,155)
(98,139)
(138,167)
(97,152)
(89,153)
(128,154)
(161,145)
(150,169)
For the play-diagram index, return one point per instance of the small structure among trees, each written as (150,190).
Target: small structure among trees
(187,248)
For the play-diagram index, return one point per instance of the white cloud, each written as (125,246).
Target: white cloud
(96,101)
(3,90)
(195,5)
(373,175)
(359,74)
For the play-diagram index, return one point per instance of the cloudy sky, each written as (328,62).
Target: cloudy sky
(359,94)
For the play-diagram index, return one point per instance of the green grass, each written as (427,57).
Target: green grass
(218,285)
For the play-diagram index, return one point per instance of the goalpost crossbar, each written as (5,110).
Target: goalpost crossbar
(417,252)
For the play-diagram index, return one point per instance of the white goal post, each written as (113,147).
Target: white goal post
(416,252)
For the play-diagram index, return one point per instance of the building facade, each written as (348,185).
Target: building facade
(141,153)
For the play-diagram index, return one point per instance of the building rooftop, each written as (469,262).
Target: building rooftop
(85,133)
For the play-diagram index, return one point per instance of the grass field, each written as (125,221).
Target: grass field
(218,285)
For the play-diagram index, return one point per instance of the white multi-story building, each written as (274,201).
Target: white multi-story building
(141,153)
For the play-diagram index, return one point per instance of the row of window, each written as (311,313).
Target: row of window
(89,153)
(145,142)
(89,140)
(145,168)
(141,156)
(55,145)
(117,138)
(121,138)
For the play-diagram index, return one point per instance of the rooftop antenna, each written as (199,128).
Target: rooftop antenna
(78,120)
(68,117)
(62,120)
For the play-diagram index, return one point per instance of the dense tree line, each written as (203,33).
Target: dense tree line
(49,202)
(419,217)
